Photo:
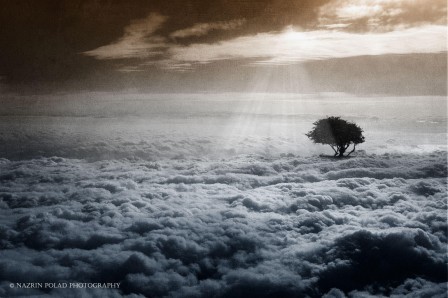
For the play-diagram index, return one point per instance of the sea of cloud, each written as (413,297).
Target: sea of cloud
(246,226)
(188,206)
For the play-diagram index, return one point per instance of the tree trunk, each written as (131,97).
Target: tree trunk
(341,151)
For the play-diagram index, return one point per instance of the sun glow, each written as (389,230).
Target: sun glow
(291,35)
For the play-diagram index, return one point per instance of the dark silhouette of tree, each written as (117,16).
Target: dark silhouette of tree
(337,133)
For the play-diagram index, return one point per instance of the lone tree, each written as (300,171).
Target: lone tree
(337,133)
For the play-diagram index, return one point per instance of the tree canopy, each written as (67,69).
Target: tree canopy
(338,133)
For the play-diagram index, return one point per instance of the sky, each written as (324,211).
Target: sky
(357,46)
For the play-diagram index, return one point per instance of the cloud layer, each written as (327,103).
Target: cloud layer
(221,195)
(204,28)
(294,46)
(382,15)
(138,41)
(343,29)
(288,226)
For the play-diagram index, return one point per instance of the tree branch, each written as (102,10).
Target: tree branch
(335,151)
(354,147)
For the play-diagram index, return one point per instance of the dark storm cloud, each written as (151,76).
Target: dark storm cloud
(43,40)
(105,45)
(291,45)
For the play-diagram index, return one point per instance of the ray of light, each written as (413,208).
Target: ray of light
(272,110)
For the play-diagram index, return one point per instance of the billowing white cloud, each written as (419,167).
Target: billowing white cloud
(204,28)
(138,41)
(293,46)
(292,226)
